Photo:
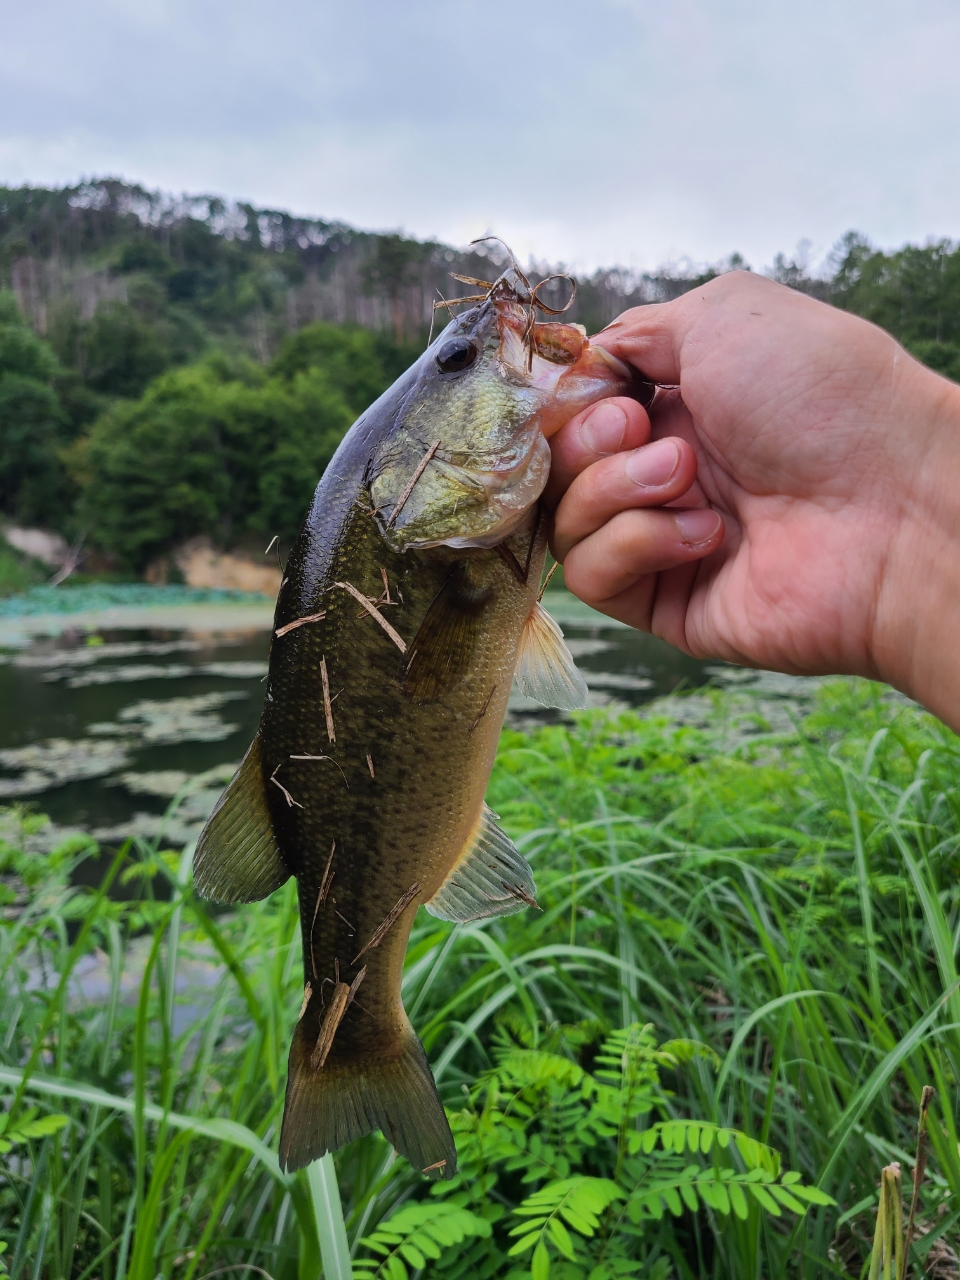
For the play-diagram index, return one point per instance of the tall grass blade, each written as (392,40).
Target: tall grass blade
(231,1131)
(328,1211)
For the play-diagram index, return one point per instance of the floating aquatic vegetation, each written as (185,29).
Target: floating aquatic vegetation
(173,829)
(173,671)
(102,595)
(120,675)
(776,684)
(586,648)
(158,782)
(172,720)
(43,765)
(233,670)
(169,782)
(198,792)
(86,655)
(616,680)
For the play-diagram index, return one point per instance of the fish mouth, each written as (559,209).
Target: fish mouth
(477,486)
(566,370)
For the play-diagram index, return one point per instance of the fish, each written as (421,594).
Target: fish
(409,606)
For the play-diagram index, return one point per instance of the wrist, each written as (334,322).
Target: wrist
(916,645)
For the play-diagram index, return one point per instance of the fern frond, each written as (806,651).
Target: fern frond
(700,1136)
(722,1190)
(568,1202)
(415,1233)
(539,1068)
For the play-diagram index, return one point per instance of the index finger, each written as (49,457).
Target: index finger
(612,426)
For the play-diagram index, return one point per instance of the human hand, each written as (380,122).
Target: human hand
(797,509)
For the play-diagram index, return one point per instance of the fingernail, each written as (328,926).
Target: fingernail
(697,526)
(603,430)
(654,464)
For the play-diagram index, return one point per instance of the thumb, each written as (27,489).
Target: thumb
(649,338)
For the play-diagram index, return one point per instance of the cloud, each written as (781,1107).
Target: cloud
(626,130)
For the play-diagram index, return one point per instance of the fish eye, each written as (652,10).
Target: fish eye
(457,354)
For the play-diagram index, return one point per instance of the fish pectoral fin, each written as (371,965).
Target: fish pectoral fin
(546,670)
(237,857)
(490,878)
(440,654)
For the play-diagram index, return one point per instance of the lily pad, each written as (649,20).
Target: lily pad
(43,765)
(174,671)
(616,680)
(86,655)
(172,720)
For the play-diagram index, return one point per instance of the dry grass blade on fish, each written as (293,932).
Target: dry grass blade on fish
(421,467)
(280,787)
(322,757)
(389,920)
(327,705)
(375,613)
(300,622)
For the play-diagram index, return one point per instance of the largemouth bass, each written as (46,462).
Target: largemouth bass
(409,604)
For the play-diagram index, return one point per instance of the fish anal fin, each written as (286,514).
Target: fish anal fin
(347,1097)
(546,670)
(440,654)
(238,858)
(490,878)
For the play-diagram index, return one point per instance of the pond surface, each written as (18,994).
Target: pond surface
(108,713)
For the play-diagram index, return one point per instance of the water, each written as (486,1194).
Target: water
(110,709)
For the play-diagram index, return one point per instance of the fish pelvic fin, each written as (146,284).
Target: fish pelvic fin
(237,857)
(546,670)
(346,1097)
(490,878)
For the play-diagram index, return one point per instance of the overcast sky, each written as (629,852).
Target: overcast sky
(608,131)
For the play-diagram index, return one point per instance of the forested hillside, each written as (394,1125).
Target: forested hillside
(173,367)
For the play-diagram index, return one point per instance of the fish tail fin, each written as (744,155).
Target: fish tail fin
(328,1107)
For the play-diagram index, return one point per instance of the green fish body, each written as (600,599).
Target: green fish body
(408,603)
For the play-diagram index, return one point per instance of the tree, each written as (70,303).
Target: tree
(31,420)
(913,293)
(124,346)
(359,363)
(393,267)
(215,448)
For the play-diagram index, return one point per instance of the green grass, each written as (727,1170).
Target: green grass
(781,909)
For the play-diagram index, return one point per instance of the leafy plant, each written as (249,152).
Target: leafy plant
(772,900)
(415,1234)
(32,481)
(539,1117)
(27,1127)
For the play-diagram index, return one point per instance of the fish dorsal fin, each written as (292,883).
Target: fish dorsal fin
(440,653)
(546,671)
(490,878)
(238,858)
